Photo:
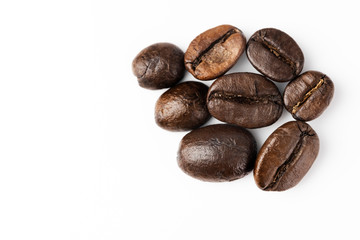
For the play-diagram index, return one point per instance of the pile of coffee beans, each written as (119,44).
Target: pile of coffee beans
(226,152)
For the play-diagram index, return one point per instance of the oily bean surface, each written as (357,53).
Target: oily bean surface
(182,107)
(214,52)
(307,96)
(275,54)
(160,65)
(245,99)
(217,153)
(286,156)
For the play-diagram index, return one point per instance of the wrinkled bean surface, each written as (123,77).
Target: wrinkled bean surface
(160,65)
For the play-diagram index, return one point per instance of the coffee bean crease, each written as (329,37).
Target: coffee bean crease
(220,40)
(308,94)
(246,100)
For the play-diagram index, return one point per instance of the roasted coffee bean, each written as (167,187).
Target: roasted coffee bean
(217,153)
(214,52)
(245,99)
(275,54)
(286,156)
(160,65)
(307,96)
(182,107)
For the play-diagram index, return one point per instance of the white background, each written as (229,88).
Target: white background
(82,158)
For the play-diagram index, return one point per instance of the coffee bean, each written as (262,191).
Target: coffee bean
(160,65)
(245,99)
(286,156)
(182,107)
(275,54)
(214,52)
(217,153)
(307,96)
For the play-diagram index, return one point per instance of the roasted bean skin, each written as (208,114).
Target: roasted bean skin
(214,52)
(286,156)
(160,65)
(217,153)
(275,54)
(307,96)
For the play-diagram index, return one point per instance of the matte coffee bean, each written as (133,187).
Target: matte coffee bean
(286,156)
(307,96)
(217,153)
(245,99)
(182,107)
(160,65)
(275,54)
(214,52)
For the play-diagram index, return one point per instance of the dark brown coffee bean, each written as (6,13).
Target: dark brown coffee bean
(275,54)
(160,65)
(214,52)
(182,107)
(307,96)
(217,153)
(286,156)
(245,99)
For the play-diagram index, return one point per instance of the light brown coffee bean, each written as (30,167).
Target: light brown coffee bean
(214,52)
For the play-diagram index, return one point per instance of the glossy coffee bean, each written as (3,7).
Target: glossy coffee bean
(245,99)
(286,156)
(307,96)
(275,54)
(217,153)
(160,65)
(182,107)
(214,52)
